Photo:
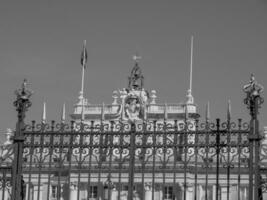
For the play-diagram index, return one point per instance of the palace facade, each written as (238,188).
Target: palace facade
(134,148)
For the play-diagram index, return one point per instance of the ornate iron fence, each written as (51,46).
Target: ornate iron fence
(139,161)
(145,160)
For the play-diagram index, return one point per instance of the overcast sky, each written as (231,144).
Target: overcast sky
(42,42)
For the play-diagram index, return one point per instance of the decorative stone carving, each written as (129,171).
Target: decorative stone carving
(9,135)
(153,97)
(133,108)
(115,97)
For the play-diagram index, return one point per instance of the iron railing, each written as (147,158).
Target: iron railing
(180,159)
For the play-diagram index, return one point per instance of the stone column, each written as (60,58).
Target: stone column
(264,195)
(114,194)
(214,192)
(73,192)
(224,193)
(182,190)
(6,194)
(246,196)
(45,191)
(35,192)
(233,192)
(200,192)
(37,189)
(158,194)
(189,192)
(41,192)
(148,191)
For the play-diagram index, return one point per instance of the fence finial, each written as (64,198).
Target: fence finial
(44,113)
(186,112)
(165,112)
(63,113)
(207,112)
(103,112)
(229,110)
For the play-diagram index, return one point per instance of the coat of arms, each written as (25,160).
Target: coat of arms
(133,108)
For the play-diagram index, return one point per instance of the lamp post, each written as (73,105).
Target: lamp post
(22,104)
(253,101)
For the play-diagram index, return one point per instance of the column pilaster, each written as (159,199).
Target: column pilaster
(224,193)
(73,192)
(114,194)
(148,191)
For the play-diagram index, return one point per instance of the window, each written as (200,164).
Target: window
(125,187)
(168,192)
(93,192)
(54,191)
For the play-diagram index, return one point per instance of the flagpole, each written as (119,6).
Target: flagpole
(191,63)
(190,98)
(83,63)
(83,68)
(82,87)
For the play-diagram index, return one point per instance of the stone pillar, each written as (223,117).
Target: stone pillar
(246,196)
(37,189)
(189,192)
(114,194)
(214,192)
(45,191)
(224,193)
(41,192)
(200,192)
(233,192)
(6,194)
(3,191)
(148,191)
(182,190)
(264,196)
(73,192)
(27,191)
(61,192)
(35,192)
(158,194)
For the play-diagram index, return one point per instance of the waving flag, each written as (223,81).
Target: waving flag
(84,55)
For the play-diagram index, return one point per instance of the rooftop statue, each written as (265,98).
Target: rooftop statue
(136,78)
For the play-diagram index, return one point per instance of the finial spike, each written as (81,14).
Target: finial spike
(103,112)
(145,111)
(82,112)
(229,110)
(165,112)
(44,113)
(208,112)
(186,112)
(63,113)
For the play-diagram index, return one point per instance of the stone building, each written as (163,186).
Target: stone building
(134,146)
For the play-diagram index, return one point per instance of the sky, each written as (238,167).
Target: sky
(42,42)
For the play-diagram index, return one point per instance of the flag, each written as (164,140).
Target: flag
(84,55)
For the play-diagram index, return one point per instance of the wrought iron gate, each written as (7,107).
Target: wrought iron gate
(142,160)
(5,182)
